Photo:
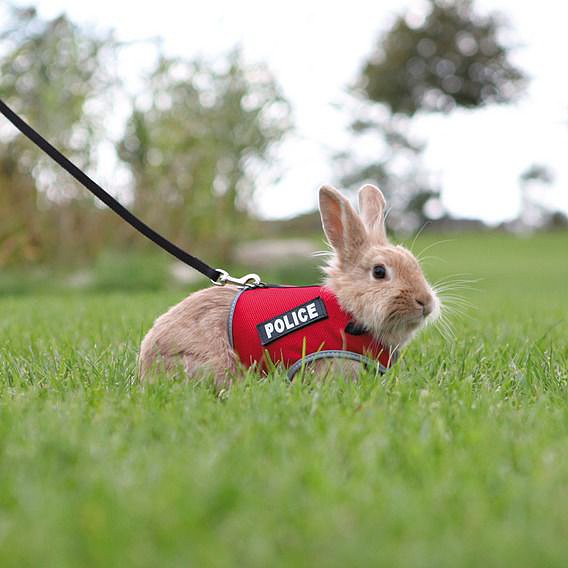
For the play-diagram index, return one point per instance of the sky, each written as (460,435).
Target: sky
(316,49)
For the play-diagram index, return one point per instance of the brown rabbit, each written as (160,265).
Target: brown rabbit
(380,286)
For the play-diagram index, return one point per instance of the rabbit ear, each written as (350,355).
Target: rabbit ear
(372,206)
(343,227)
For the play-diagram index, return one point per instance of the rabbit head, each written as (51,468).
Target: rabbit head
(381,285)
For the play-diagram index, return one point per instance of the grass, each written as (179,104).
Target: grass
(457,457)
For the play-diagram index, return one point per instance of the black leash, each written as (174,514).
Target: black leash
(217,276)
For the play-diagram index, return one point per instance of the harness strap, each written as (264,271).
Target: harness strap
(105,197)
(335,354)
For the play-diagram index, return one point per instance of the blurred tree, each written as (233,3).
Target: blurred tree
(449,57)
(395,165)
(197,145)
(195,141)
(533,212)
(57,75)
(453,58)
(536,173)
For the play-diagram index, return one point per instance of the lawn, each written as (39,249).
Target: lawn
(457,457)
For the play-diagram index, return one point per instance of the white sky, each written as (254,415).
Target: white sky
(315,50)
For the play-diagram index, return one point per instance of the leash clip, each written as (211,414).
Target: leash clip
(248,280)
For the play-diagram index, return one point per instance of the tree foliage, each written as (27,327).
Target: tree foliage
(195,151)
(56,74)
(454,58)
(536,173)
(451,58)
(195,141)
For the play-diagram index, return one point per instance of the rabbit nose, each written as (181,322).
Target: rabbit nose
(426,304)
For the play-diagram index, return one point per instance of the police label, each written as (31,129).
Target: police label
(290,321)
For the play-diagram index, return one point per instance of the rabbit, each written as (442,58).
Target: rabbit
(381,285)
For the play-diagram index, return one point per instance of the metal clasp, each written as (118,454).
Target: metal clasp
(249,280)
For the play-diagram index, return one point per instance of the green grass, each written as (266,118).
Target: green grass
(457,457)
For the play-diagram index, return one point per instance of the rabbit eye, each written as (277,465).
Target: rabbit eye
(379,272)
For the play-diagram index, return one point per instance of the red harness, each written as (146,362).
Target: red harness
(295,325)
